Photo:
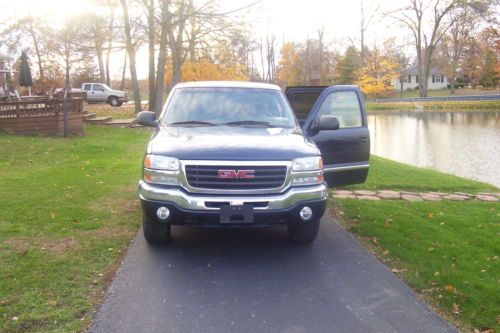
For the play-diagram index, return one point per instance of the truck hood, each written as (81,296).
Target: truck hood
(116,92)
(231,143)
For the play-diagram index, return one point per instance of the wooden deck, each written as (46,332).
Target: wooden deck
(41,117)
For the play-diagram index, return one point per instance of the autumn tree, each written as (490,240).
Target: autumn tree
(205,70)
(376,76)
(290,66)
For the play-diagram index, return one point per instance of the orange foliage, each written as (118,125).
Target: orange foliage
(206,71)
(375,78)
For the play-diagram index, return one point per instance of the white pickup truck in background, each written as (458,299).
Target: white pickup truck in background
(101,93)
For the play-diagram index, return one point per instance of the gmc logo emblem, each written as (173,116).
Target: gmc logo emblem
(239,174)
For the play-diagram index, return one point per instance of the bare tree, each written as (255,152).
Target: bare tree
(111,4)
(131,55)
(453,44)
(428,22)
(364,24)
(150,8)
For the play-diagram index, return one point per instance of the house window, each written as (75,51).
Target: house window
(416,78)
(409,78)
(437,78)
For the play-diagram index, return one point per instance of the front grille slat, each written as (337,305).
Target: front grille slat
(206,176)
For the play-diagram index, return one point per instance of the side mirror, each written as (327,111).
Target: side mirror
(146,118)
(325,123)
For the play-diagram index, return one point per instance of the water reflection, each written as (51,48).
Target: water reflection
(462,143)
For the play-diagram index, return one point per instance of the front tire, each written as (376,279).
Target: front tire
(156,232)
(304,232)
(113,101)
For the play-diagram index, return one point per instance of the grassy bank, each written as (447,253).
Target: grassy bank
(126,111)
(447,251)
(68,207)
(435,106)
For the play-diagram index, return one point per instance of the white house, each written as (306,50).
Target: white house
(437,79)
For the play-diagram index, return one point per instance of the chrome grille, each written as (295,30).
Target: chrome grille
(207,176)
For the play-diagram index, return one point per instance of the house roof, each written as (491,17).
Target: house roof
(414,71)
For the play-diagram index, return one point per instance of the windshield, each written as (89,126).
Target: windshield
(228,106)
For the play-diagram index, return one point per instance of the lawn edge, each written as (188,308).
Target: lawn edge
(98,295)
(376,251)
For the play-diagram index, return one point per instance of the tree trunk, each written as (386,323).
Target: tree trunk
(100,62)
(37,50)
(176,70)
(131,55)
(151,41)
(110,44)
(401,84)
(162,59)
(122,85)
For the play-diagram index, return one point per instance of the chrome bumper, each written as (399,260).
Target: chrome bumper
(267,202)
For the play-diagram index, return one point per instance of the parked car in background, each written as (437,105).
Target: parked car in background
(101,93)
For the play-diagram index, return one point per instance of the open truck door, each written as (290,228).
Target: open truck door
(335,119)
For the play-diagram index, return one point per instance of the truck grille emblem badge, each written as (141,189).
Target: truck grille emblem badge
(236,174)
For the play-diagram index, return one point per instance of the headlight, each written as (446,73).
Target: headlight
(307,163)
(161,162)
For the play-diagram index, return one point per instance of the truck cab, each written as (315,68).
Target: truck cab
(241,154)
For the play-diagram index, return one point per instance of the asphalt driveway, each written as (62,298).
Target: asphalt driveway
(258,281)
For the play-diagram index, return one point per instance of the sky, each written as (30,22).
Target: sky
(289,20)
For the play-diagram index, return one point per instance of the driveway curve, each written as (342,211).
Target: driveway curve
(258,281)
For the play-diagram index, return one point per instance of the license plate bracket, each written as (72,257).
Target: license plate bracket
(233,214)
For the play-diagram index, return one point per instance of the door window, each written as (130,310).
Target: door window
(98,87)
(303,102)
(344,105)
(87,87)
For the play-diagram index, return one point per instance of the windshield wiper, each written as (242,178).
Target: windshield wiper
(192,122)
(249,122)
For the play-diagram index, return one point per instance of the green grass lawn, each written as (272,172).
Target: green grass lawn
(68,207)
(447,251)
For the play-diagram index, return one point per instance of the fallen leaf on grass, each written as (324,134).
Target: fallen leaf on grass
(52,302)
(395,270)
(386,252)
(484,330)
(53,215)
(455,308)
(449,288)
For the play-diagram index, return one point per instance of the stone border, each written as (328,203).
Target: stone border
(414,196)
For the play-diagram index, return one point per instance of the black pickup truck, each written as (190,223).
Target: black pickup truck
(233,154)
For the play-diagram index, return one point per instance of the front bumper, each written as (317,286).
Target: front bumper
(203,210)
(123,99)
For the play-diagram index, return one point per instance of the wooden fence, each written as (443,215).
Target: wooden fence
(41,116)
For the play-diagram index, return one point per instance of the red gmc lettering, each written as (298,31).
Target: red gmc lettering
(233,174)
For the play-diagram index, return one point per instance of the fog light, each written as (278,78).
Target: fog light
(163,213)
(306,213)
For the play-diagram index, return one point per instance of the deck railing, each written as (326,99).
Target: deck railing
(39,107)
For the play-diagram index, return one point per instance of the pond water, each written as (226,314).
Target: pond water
(466,144)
